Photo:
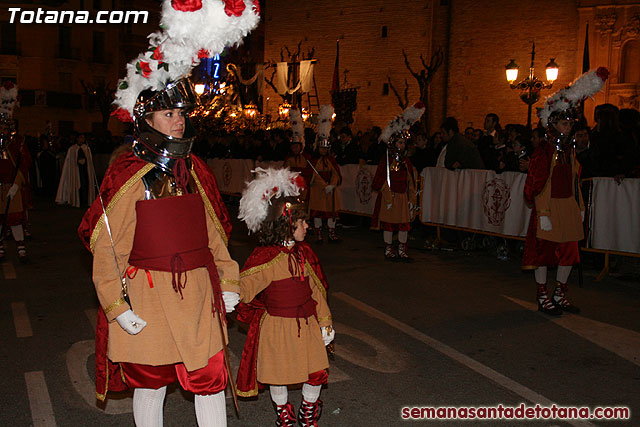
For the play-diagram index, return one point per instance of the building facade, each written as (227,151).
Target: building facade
(478,37)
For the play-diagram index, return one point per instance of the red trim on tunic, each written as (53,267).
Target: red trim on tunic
(207,380)
(395,226)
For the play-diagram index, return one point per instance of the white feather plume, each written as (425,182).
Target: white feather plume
(324,120)
(184,38)
(297,126)
(409,116)
(8,100)
(570,97)
(256,198)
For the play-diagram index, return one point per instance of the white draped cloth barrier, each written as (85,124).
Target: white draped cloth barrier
(476,199)
(355,194)
(614,224)
(231,174)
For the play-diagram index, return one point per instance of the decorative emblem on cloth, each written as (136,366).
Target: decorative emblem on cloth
(496,199)
(363,186)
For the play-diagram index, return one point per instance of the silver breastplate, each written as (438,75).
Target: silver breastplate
(159,184)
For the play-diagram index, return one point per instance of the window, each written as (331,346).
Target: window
(98,46)
(385,88)
(8,39)
(630,62)
(66,82)
(64,42)
(384,31)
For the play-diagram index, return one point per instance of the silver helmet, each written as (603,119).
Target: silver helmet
(154,146)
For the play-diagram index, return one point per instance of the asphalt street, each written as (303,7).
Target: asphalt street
(453,329)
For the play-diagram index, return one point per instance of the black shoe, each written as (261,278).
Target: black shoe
(560,301)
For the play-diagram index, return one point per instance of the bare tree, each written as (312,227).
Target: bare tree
(403,101)
(424,78)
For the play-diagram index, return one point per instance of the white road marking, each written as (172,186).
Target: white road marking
(39,401)
(461,358)
(8,271)
(623,342)
(21,320)
(384,359)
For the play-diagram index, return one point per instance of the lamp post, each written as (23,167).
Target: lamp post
(531,86)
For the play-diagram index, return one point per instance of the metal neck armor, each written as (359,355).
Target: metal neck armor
(160,149)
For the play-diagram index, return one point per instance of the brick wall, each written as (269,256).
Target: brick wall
(482,44)
(368,56)
(482,37)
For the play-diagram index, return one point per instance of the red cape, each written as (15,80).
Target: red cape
(125,170)
(251,313)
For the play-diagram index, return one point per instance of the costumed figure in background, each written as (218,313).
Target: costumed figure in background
(159,230)
(396,181)
(15,161)
(76,186)
(284,300)
(552,190)
(298,160)
(325,177)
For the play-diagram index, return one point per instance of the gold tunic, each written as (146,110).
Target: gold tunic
(178,330)
(283,356)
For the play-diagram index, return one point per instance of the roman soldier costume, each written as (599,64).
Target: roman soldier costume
(284,300)
(298,159)
(15,161)
(552,190)
(396,181)
(159,231)
(325,177)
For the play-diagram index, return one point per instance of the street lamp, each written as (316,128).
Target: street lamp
(531,86)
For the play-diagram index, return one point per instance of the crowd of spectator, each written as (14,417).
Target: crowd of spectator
(610,149)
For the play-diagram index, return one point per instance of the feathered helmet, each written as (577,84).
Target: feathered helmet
(8,102)
(191,30)
(272,194)
(566,103)
(297,127)
(325,119)
(398,128)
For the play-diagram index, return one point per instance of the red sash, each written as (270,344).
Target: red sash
(289,298)
(171,235)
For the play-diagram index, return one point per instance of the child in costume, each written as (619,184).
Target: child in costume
(284,300)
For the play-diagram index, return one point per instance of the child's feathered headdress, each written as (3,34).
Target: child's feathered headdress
(259,196)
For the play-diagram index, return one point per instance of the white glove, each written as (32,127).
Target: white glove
(582,215)
(328,334)
(131,322)
(231,299)
(13,190)
(545,223)
(329,188)
(389,206)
